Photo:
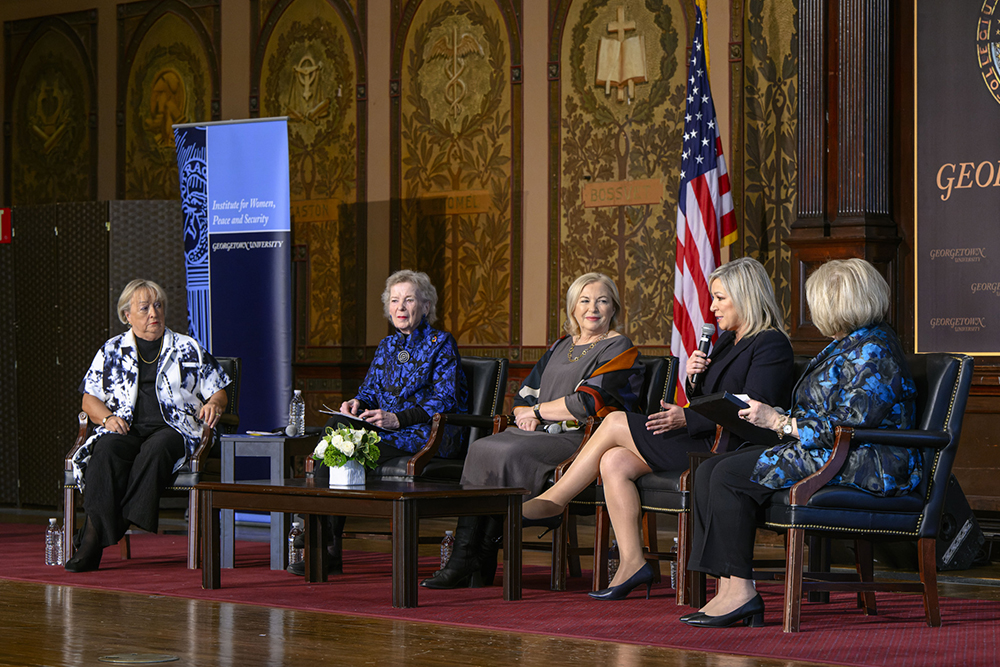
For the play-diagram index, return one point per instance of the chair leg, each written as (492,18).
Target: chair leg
(865,563)
(560,555)
(795,545)
(194,534)
(602,536)
(125,547)
(649,538)
(928,577)
(69,521)
(683,554)
(573,557)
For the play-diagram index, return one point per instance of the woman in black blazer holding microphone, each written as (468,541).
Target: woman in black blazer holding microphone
(751,356)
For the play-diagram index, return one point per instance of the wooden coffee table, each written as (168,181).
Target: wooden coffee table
(404,502)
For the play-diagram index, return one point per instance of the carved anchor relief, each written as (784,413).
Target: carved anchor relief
(50,120)
(303,106)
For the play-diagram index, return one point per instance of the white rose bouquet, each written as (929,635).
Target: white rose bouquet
(338,446)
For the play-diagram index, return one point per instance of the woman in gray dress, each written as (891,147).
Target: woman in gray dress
(593,370)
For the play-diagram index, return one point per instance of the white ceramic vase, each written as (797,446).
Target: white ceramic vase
(351,473)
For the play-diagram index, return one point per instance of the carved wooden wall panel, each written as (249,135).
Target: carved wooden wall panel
(168,52)
(765,82)
(309,65)
(598,139)
(51,109)
(456,141)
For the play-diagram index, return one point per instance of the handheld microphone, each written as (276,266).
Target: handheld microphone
(707,331)
(291,431)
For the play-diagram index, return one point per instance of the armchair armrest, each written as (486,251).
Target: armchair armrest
(81,437)
(208,439)
(903,438)
(802,491)
(422,457)
(588,430)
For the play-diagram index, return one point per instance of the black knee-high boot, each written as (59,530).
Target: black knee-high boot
(333,538)
(464,566)
(489,546)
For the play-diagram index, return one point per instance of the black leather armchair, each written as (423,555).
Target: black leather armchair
(810,506)
(487,381)
(184,480)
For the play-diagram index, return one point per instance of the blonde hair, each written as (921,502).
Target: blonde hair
(749,288)
(125,300)
(571,326)
(846,294)
(421,282)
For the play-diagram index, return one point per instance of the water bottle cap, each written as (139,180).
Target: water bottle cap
(449,532)
(298,392)
(53,521)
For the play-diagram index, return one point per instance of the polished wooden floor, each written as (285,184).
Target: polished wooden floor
(61,625)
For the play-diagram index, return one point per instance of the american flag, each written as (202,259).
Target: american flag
(705,220)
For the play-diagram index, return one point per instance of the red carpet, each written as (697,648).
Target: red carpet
(835,633)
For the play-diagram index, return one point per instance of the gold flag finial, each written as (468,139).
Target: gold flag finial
(703,5)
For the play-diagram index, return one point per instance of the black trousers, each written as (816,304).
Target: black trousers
(124,479)
(724,514)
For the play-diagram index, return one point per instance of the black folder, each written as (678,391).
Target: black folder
(353,421)
(723,408)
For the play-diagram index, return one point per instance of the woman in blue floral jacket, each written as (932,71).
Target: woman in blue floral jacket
(416,373)
(861,379)
(150,391)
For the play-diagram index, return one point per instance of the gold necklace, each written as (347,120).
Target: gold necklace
(157,352)
(572,346)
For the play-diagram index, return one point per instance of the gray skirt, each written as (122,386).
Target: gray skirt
(518,458)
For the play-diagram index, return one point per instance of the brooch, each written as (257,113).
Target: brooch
(403,356)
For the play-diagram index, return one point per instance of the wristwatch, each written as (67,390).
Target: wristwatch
(537,411)
(785,428)
(104,421)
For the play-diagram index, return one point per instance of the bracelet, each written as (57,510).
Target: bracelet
(537,411)
(104,421)
(780,430)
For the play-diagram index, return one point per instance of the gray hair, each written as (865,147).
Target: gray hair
(749,287)
(421,282)
(125,300)
(573,295)
(846,294)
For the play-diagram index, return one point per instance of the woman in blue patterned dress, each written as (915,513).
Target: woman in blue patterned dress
(150,391)
(416,373)
(861,379)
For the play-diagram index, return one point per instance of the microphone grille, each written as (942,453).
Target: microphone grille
(708,329)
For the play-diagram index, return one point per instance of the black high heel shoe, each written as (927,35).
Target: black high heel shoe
(643,576)
(752,614)
(687,617)
(87,559)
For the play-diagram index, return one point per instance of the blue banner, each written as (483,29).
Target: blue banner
(237,243)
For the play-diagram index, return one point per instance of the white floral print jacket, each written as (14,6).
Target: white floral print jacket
(186,376)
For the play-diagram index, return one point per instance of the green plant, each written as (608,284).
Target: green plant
(338,446)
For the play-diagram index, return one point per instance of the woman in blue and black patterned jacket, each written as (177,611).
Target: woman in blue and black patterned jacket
(416,373)
(861,379)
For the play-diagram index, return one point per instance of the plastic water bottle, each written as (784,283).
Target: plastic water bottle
(613,558)
(673,566)
(297,415)
(447,546)
(53,543)
(294,554)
